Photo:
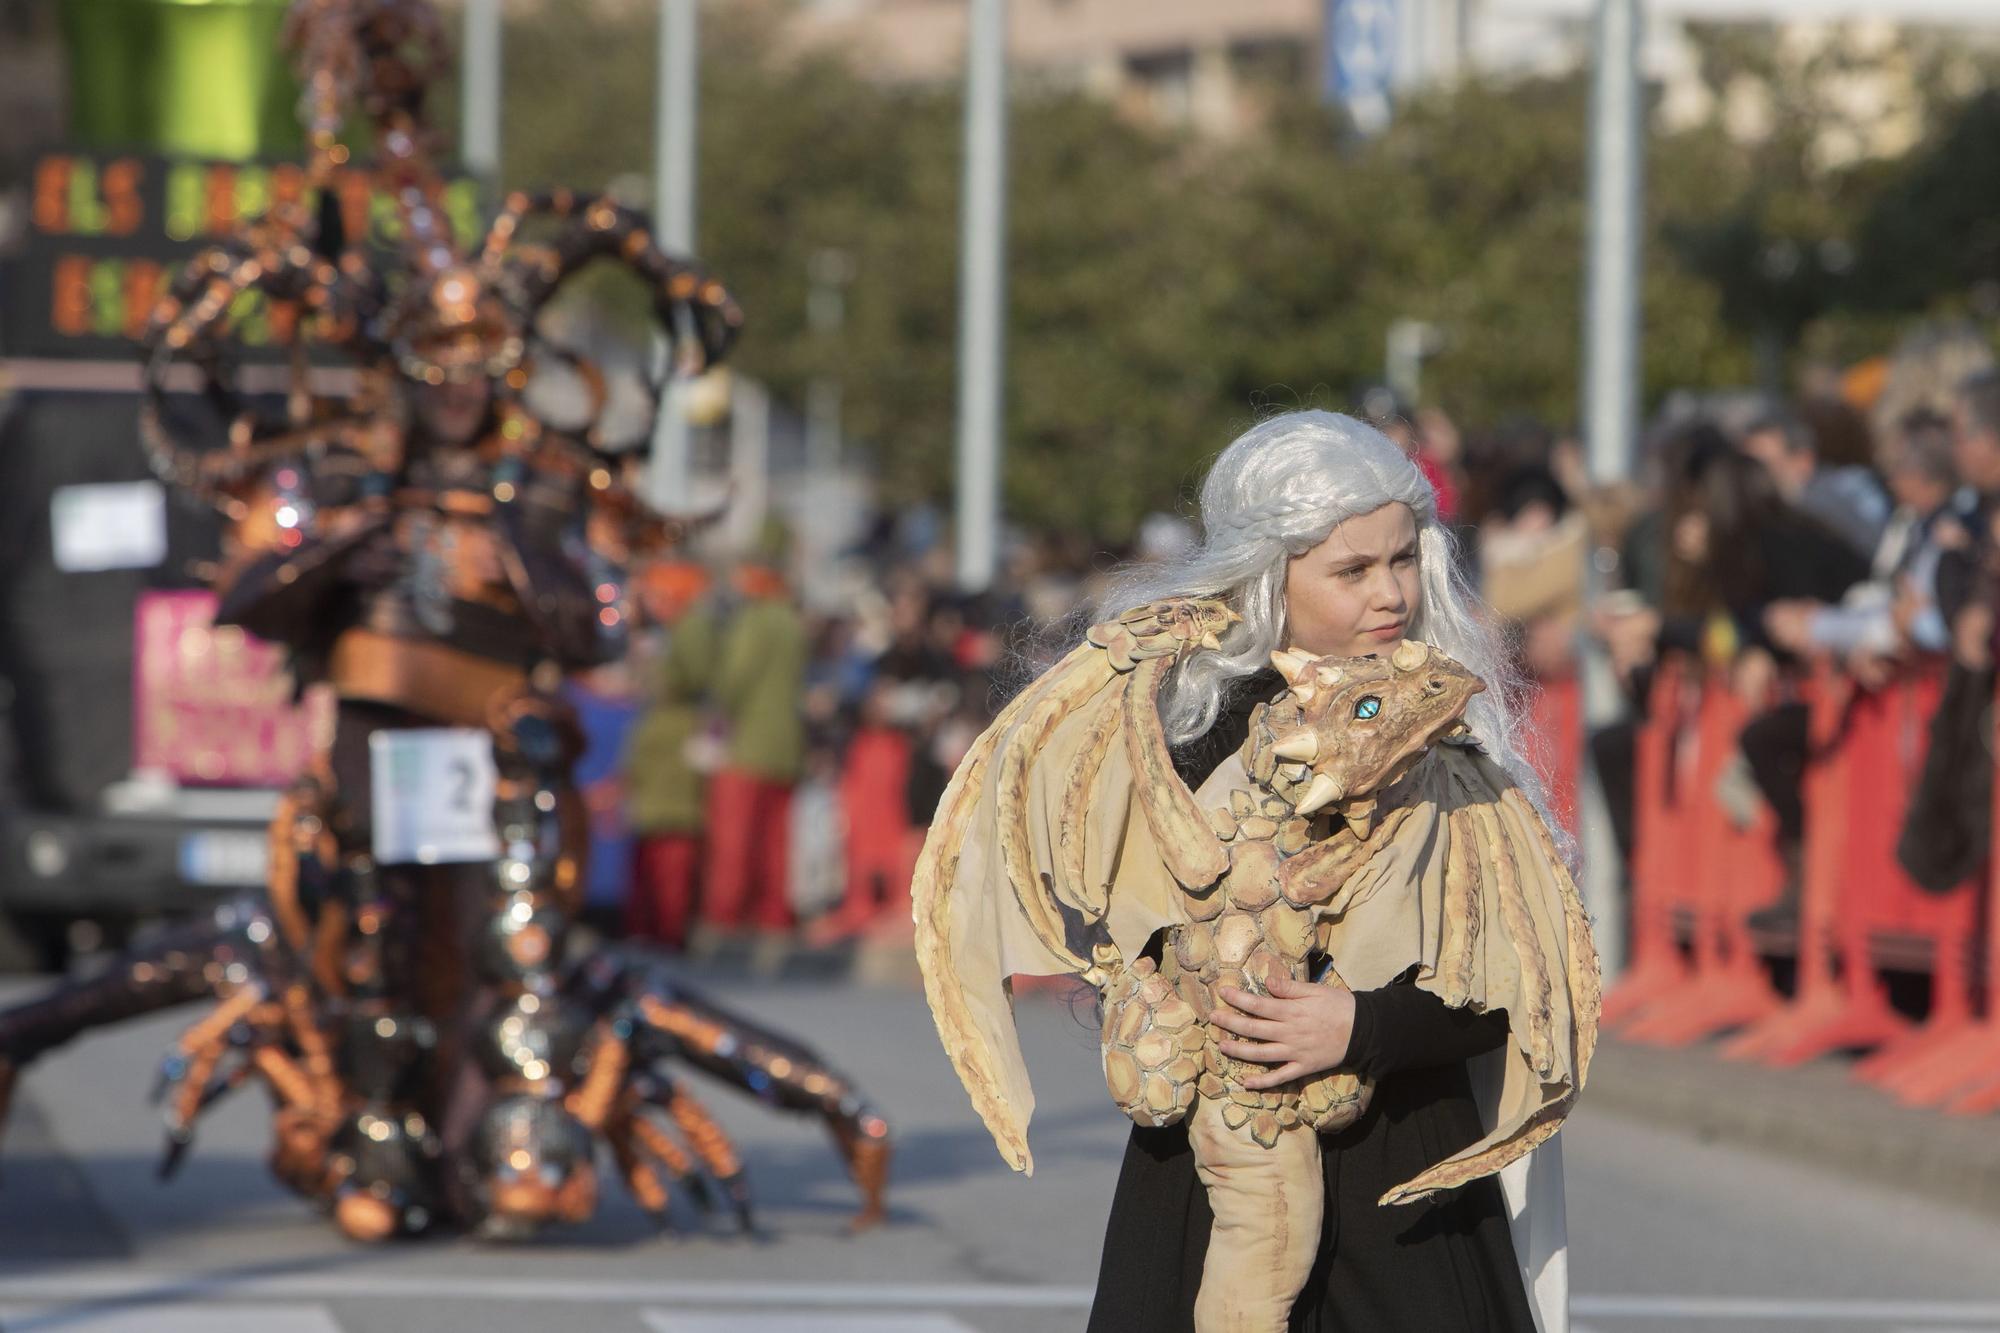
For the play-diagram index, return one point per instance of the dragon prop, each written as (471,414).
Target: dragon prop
(1357,832)
(440,556)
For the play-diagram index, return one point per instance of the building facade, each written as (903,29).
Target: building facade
(1218,67)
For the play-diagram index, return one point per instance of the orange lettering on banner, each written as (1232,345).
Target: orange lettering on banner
(69,296)
(52,195)
(121,196)
(221,198)
(288,183)
(142,292)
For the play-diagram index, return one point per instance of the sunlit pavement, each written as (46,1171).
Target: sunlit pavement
(1667,1233)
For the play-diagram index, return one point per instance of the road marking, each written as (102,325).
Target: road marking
(697,1321)
(127,1284)
(35,1287)
(209,1318)
(1738,1309)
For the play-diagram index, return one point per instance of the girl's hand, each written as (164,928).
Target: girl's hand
(1300,1027)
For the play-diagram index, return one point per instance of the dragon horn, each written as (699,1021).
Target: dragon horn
(1303,747)
(1294,667)
(1323,791)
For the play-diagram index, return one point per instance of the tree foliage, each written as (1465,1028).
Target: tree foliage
(1164,289)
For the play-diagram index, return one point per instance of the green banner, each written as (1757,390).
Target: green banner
(204,78)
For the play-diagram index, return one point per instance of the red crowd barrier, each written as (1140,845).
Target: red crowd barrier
(1733,870)
(1698,878)
(1661,882)
(1555,720)
(1958,1064)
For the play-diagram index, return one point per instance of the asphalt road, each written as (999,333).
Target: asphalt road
(1668,1234)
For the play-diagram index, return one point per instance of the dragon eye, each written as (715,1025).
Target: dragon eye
(1368,707)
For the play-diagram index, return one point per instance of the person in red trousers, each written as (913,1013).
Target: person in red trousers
(757,693)
(874,806)
(664,781)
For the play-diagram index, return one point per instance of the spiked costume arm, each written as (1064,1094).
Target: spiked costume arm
(1062,843)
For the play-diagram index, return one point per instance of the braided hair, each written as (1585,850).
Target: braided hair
(1276,492)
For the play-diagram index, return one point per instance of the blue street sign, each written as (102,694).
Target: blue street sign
(1360,59)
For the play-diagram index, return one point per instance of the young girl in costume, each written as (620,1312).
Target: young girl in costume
(1224,810)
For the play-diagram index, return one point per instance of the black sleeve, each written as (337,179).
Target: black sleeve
(1196,759)
(1681,633)
(1398,1027)
(283,595)
(555,591)
(1956,579)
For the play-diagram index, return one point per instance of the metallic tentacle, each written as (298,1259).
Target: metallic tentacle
(657,1093)
(775,1070)
(597,228)
(642,1178)
(188,323)
(180,965)
(714,1150)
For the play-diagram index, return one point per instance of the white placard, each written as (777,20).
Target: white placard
(433,795)
(111,525)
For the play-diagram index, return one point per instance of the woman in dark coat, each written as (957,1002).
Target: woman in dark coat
(1446,1266)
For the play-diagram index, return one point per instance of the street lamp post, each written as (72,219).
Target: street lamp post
(479,105)
(1610,397)
(673,216)
(982,296)
(828,271)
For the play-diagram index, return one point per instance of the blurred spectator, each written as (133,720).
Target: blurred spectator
(1948,831)
(1629,621)
(818,838)
(758,695)
(874,785)
(1737,548)
(1631,626)
(606,706)
(1531,548)
(1895,611)
(666,783)
(1428,437)
(1845,497)
(1964,586)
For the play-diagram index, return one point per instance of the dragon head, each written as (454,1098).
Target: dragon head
(1350,727)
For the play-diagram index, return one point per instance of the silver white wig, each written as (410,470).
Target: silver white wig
(1276,492)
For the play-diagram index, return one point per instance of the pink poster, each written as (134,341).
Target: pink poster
(213,706)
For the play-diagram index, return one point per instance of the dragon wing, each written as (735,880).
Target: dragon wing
(1036,864)
(1498,924)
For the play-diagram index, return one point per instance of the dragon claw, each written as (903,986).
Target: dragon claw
(174,1153)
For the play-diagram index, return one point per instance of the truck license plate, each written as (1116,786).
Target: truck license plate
(224,858)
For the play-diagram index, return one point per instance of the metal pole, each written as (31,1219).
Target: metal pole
(673,217)
(982,295)
(479,105)
(829,272)
(749,458)
(1610,397)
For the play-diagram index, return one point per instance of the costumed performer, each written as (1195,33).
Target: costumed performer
(1281,776)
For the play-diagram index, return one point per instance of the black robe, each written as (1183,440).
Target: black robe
(1444,1266)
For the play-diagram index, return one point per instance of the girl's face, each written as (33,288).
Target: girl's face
(1357,591)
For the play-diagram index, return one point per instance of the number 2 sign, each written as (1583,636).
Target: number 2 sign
(433,795)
